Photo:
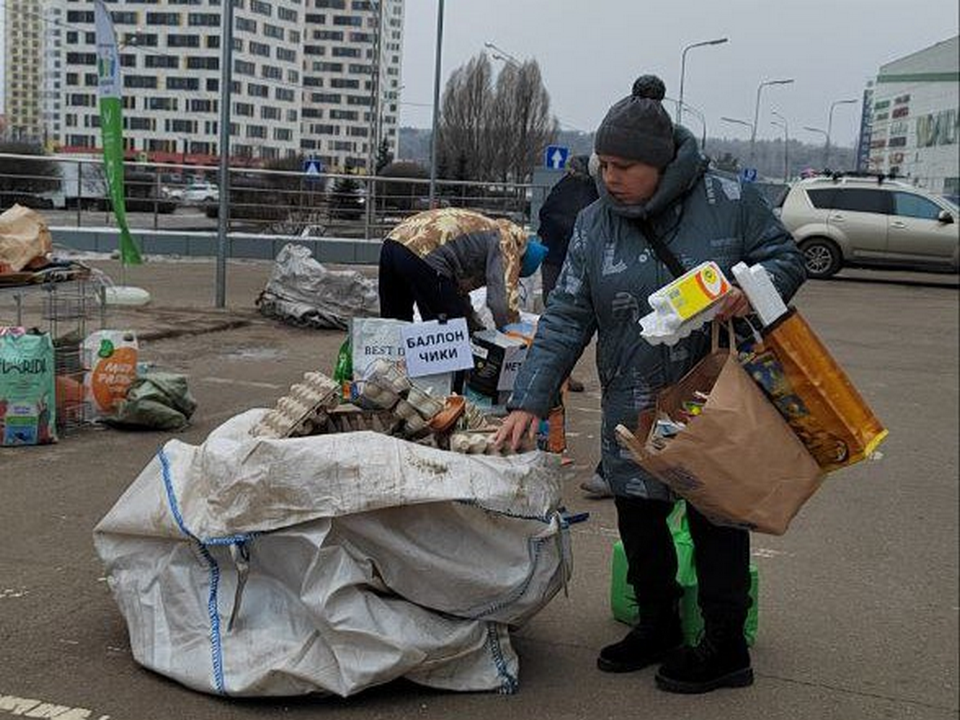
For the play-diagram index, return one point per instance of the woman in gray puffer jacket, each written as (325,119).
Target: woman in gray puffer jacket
(654,181)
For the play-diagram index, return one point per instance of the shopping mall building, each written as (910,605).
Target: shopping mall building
(910,123)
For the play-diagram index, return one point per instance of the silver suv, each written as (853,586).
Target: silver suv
(871,222)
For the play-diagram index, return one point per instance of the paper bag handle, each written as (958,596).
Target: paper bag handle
(715,336)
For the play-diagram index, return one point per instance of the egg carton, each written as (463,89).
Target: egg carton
(349,418)
(304,410)
(481,443)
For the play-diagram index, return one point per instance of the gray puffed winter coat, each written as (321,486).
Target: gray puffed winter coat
(609,272)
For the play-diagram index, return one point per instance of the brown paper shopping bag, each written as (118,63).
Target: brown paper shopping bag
(737,462)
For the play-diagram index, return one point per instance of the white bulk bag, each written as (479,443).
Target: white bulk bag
(361,558)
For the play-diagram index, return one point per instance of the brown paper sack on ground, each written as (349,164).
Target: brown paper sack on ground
(738,462)
(24,237)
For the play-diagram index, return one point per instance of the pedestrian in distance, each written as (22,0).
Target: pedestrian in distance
(573,192)
(661,212)
(437,257)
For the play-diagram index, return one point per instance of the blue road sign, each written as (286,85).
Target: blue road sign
(748,175)
(313,167)
(556,156)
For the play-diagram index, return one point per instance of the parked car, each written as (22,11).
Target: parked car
(857,221)
(200,192)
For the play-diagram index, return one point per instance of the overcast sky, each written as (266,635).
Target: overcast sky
(590,51)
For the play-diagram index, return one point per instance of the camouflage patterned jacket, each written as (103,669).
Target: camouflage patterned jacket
(609,272)
(471,249)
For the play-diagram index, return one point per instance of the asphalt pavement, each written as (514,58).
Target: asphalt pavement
(858,601)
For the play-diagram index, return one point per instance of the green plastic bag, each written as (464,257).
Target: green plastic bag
(156,401)
(624,604)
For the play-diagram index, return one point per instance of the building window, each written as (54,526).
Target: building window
(162,103)
(273,31)
(183,83)
(259,49)
(203,19)
(140,81)
(261,8)
(161,61)
(160,18)
(203,63)
(183,41)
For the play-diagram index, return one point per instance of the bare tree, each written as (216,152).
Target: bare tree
(466,99)
(494,132)
(525,104)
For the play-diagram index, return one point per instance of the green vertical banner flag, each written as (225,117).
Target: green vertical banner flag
(111,126)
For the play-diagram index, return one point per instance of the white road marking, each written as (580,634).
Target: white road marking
(768,553)
(247,383)
(33,708)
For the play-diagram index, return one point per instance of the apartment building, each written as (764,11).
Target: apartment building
(170,53)
(23,69)
(51,99)
(348,107)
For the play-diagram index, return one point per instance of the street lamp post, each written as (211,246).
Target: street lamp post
(819,131)
(738,122)
(436,107)
(223,211)
(833,105)
(683,68)
(501,54)
(698,113)
(786,143)
(756,111)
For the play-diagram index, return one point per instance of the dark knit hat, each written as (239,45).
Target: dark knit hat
(637,127)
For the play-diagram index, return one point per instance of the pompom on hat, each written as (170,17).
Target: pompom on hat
(637,127)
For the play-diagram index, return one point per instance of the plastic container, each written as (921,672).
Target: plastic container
(760,291)
(685,304)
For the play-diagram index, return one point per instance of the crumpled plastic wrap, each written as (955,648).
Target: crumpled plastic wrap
(303,292)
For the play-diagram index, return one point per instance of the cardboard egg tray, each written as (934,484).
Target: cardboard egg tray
(304,410)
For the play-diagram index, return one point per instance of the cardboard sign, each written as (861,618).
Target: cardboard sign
(513,358)
(379,338)
(432,347)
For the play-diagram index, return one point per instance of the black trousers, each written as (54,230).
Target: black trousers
(721,555)
(549,274)
(406,279)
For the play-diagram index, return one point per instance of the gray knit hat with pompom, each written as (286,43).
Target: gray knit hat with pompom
(637,127)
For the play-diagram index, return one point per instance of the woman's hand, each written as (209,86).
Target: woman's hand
(513,428)
(734,304)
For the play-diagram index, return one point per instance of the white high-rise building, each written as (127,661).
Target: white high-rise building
(170,63)
(23,67)
(52,80)
(348,108)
